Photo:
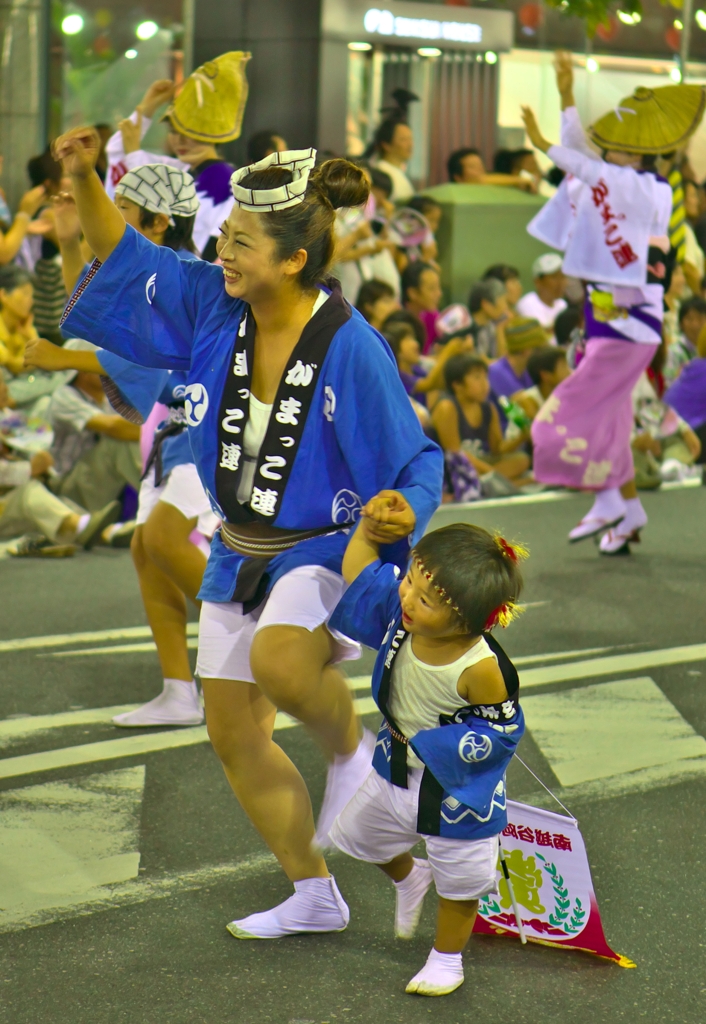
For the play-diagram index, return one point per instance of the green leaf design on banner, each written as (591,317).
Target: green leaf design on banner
(562,902)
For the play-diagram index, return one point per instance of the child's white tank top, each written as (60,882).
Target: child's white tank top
(420,693)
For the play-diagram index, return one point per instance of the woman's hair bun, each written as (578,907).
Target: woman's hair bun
(342,183)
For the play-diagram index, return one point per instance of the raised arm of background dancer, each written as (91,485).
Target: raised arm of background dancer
(11,241)
(102,223)
(570,160)
(44,355)
(68,232)
(572,133)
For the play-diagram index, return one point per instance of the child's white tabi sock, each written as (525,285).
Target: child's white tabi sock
(344,778)
(177,704)
(316,906)
(441,974)
(410,893)
(616,541)
(608,508)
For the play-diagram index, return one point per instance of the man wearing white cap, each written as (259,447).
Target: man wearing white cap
(546,302)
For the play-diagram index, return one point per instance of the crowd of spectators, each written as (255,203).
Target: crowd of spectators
(477,373)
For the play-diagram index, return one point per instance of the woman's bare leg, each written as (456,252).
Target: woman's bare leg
(269,788)
(292,667)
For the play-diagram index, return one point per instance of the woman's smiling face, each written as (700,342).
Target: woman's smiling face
(251,268)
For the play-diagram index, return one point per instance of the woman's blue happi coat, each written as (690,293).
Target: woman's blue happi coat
(361,435)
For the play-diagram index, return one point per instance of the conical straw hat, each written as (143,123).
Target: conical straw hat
(211,104)
(651,120)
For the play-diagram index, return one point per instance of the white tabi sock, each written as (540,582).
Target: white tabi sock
(316,906)
(83,523)
(441,974)
(344,778)
(410,893)
(177,704)
(635,516)
(608,505)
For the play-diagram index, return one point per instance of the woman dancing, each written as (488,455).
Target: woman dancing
(611,217)
(296,418)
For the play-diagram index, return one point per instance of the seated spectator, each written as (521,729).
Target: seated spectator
(694,258)
(376,300)
(465,166)
(50,296)
(487,303)
(96,451)
(406,350)
(509,375)
(664,446)
(546,301)
(465,421)
(261,144)
(16,322)
(49,526)
(510,277)
(692,319)
(687,395)
(421,295)
(403,316)
(547,368)
(432,213)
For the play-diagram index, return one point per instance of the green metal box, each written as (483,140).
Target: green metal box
(482,225)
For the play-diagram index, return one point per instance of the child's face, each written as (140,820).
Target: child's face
(409,349)
(423,611)
(428,294)
(475,386)
(433,216)
(692,323)
(561,372)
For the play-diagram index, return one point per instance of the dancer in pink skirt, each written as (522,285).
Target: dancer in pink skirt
(610,216)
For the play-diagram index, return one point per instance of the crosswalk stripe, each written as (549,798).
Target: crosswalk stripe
(614,665)
(29,643)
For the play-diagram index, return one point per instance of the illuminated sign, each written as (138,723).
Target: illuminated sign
(385,23)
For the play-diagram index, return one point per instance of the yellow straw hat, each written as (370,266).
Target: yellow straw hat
(523,332)
(211,104)
(651,120)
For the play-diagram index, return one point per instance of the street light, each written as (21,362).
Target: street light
(131,54)
(592,65)
(490,57)
(72,24)
(146,29)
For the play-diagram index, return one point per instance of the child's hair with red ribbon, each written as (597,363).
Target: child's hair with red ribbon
(476,573)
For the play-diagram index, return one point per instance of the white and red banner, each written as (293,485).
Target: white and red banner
(551,881)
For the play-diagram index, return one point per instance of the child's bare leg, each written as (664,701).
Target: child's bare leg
(412,878)
(454,924)
(443,971)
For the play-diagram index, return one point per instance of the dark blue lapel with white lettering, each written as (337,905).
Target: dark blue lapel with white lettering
(291,408)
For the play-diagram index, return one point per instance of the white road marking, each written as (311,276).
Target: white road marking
(192,643)
(614,665)
(30,643)
(61,842)
(612,729)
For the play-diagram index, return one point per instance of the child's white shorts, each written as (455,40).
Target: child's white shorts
(183,489)
(380,822)
(305,596)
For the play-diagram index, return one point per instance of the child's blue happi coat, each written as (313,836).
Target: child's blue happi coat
(361,434)
(463,793)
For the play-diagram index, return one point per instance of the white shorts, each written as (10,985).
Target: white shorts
(380,822)
(182,489)
(306,597)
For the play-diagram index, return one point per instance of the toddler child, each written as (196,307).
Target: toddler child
(452,721)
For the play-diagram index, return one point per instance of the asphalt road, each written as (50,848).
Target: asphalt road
(119,866)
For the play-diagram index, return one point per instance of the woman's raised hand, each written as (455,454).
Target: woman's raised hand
(78,150)
(32,200)
(564,68)
(160,92)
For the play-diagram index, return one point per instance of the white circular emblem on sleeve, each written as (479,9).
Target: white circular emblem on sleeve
(151,288)
(474,747)
(346,507)
(195,403)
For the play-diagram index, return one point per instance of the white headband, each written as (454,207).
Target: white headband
(264,200)
(160,189)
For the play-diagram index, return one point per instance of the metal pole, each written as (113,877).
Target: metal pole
(687,18)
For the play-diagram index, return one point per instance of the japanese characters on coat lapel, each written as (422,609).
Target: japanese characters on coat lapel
(289,413)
